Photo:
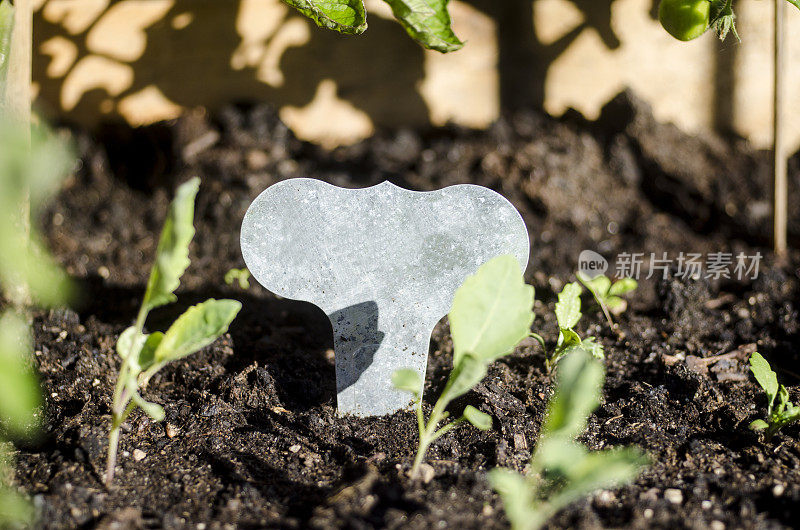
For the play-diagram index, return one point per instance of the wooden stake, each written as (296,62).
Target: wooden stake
(780,159)
(17,106)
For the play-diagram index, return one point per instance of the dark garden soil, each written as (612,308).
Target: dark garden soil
(252,439)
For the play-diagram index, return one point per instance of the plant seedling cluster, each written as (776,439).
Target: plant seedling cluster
(568,314)
(492,312)
(780,411)
(561,469)
(426,21)
(145,354)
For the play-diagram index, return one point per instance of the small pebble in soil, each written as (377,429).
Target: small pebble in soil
(295,448)
(139,455)
(717,525)
(673,495)
(778,490)
(171,430)
(648,513)
(706,505)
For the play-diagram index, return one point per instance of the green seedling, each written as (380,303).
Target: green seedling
(780,411)
(145,354)
(426,21)
(561,469)
(492,312)
(240,276)
(568,314)
(608,295)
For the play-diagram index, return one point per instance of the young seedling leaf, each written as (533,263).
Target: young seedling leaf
(428,22)
(597,470)
(623,286)
(147,355)
(20,398)
(468,373)
(758,425)
(172,254)
(579,380)
(408,380)
(241,276)
(198,327)
(795,3)
(765,376)
(344,16)
(568,307)
(518,501)
(477,418)
(492,311)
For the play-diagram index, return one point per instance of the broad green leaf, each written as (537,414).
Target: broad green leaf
(198,327)
(517,494)
(468,373)
(344,16)
(597,470)
(408,380)
(623,286)
(477,418)
(579,380)
(172,255)
(765,376)
(568,307)
(492,311)
(795,3)
(428,22)
(20,397)
(758,425)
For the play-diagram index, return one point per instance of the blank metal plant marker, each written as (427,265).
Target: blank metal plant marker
(382,262)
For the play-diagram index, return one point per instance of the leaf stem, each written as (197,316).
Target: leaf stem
(428,433)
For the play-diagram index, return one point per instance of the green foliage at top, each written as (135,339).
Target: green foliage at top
(344,16)
(492,312)
(145,354)
(568,314)
(562,470)
(780,411)
(427,21)
(608,295)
